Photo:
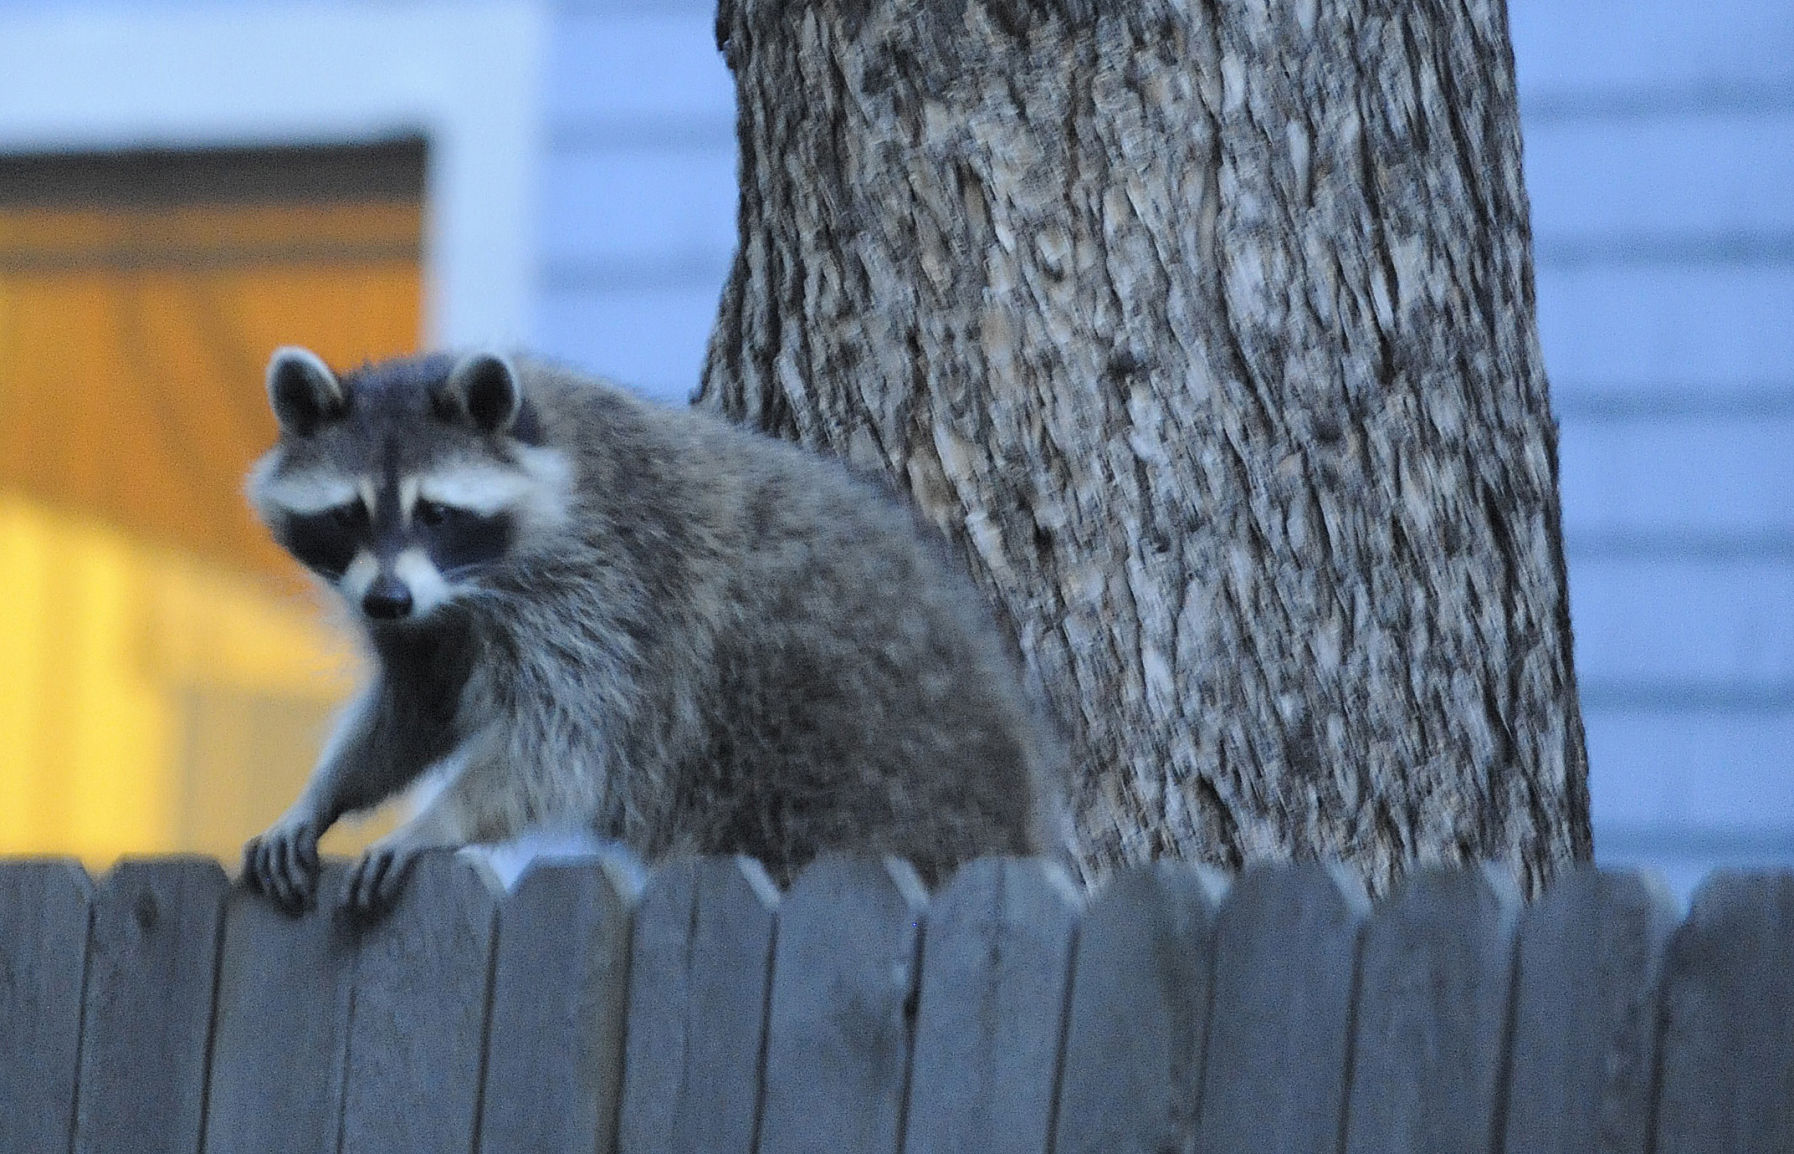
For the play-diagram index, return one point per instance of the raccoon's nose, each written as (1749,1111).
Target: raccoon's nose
(387,600)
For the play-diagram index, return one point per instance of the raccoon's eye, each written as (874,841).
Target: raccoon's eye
(431,513)
(345,516)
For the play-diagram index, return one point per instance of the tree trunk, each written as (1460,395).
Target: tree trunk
(1207,330)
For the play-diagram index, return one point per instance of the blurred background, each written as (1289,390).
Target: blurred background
(185,184)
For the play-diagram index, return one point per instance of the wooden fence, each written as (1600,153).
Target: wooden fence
(161,1010)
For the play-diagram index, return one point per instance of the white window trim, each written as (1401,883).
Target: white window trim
(466,76)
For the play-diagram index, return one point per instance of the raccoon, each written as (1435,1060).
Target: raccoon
(585,609)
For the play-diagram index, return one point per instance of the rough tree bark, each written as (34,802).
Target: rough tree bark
(1206,328)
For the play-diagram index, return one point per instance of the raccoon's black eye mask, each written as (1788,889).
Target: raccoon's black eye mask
(352,516)
(326,541)
(460,540)
(430,514)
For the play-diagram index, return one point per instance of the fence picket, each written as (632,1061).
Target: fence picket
(838,1027)
(703,1013)
(1279,1031)
(1137,1014)
(1434,975)
(996,961)
(152,957)
(281,1027)
(1728,1019)
(1583,1054)
(554,1046)
(44,910)
(418,1014)
(701,961)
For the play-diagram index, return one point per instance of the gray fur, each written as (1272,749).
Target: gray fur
(722,645)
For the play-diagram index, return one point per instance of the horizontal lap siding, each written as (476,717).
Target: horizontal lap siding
(651,339)
(1715,482)
(637,208)
(1660,163)
(1683,329)
(1594,51)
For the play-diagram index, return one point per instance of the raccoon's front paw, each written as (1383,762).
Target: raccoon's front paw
(375,880)
(283,863)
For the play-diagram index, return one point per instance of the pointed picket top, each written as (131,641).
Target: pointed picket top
(152,960)
(45,904)
(701,967)
(996,966)
(1728,1018)
(1583,1056)
(1279,1030)
(1433,982)
(281,1026)
(555,1035)
(839,1022)
(586,1012)
(417,1026)
(1137,1017)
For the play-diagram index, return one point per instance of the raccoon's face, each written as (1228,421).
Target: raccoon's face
(404,483)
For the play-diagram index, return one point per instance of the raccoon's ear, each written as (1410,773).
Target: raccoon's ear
(483,389)
(303,390)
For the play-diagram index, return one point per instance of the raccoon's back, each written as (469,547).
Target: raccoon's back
(864,697)
(815,671)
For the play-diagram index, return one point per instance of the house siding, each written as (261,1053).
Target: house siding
(637,205)
(1660,161)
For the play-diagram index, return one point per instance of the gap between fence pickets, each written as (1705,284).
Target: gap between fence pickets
(1597,1018)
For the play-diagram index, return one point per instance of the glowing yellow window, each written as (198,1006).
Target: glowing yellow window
(164,674)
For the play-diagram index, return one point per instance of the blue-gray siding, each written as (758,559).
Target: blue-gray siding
(1660,160)
(638,190)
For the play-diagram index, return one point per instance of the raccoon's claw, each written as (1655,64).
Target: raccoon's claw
(375,880)
(282,864)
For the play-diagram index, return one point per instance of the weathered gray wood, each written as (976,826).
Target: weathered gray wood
(1728,1019)
(44,909)
(1433,981)
(700,970)
(996,968)
(1279,1028)
(152,958)
(281,1028)
(417,1023)
(838,1026)
(298,1059)
(554,1048)
(1583,1056)
(1136,1021)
